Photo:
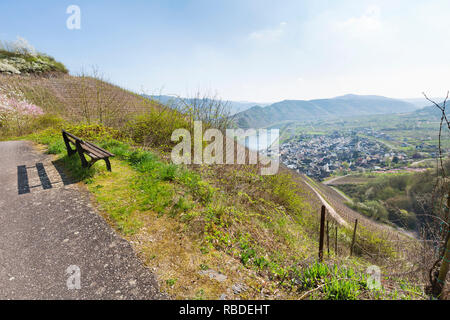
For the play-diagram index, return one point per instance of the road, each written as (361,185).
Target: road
(53,244)
(330,181)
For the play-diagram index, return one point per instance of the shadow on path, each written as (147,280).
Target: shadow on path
(23,182)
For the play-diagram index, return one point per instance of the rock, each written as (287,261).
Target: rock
(238,288)
(213,275)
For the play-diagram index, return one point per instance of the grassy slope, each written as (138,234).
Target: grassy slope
(259,231)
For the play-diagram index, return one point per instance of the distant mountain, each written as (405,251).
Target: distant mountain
(428,112)
(338,107)
(234,106)
(422,102)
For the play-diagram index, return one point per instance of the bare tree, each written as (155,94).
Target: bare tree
(208,108)
(93,99)
(439,270)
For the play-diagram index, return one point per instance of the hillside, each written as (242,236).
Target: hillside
(207,231)
(232,106)
(422,102)
(302,110)
(429,112)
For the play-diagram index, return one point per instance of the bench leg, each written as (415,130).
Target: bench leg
(108,164)
(91,163)
(70,151)
(84,162)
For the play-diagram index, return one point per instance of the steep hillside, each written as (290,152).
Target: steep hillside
(301,110)
(207,231)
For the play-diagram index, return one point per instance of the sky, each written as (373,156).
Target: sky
(246,50)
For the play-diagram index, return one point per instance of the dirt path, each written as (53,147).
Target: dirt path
(329,208)
(48,225)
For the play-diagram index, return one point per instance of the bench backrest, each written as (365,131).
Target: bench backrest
(69,135)
(86,144)
(95,147)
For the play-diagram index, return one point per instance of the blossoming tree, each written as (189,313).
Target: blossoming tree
(15,111)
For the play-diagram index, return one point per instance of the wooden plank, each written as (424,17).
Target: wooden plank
(72,136)
(97,153)
(99,148)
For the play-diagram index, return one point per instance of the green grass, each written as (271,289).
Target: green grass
(336,283)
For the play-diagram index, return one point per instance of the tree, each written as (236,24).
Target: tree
(438,273)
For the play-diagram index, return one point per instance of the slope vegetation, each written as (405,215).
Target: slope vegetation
(207,231)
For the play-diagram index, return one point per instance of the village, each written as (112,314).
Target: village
(320,156)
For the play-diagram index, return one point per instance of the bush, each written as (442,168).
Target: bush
(373,209)
(155,127)
(95,132)
(286,192)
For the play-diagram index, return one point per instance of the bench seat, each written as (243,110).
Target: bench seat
(86,148)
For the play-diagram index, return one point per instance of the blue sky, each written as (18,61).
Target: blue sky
(247,50)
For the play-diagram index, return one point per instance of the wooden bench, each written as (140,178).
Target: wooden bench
(84,147)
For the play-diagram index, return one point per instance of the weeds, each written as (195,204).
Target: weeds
(336,283)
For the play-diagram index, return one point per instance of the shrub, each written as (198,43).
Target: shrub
(286,192)
(96,132)
(155,127)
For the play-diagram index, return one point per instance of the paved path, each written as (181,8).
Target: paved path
(47,224)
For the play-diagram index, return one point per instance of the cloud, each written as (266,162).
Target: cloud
(369,22)
(269,33)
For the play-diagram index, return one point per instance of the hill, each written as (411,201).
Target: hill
(303,110)
(233,106)
(430,112)
(422,102)
(208,231)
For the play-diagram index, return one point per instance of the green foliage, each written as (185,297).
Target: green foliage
(95,132)
(396,198)
(171,282)
(154,128)
(30,64)
(27,124)
(337,283)
(201,189)
(248,252)
(286,192)
(371,208)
